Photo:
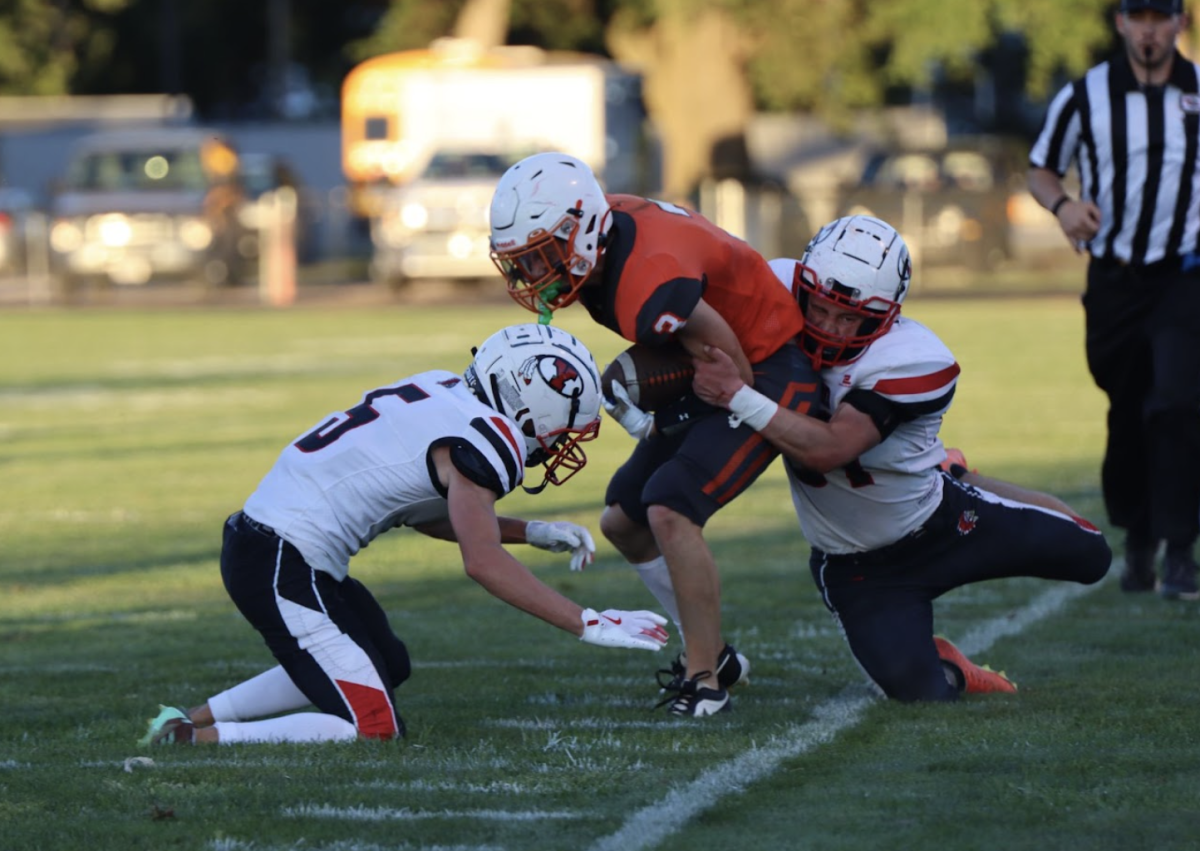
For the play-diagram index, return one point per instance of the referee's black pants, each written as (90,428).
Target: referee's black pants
(1143,350)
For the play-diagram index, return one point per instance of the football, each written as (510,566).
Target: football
(652,375)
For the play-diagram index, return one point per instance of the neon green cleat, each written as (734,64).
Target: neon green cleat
(171,726)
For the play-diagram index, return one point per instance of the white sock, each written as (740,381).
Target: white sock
(300,727)
(270,693)
(657,578)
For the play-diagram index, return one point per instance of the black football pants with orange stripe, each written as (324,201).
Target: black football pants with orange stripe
(883,599)
(698,469)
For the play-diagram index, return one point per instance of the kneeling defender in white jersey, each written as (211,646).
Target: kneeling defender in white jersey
(434,451)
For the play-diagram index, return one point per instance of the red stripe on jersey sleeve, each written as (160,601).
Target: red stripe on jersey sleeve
(502,427)
(918,383)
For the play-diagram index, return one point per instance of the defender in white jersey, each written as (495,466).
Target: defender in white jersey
(890,529)
(434,452)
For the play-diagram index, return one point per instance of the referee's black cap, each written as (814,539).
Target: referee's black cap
(1166,7)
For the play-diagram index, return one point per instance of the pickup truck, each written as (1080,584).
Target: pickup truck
(436,225)
(142,205)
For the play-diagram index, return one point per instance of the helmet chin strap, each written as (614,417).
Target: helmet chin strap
(498,405)
(534,491)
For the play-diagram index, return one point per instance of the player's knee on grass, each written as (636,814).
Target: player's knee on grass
(399,665)
(1098,561)
(910,680)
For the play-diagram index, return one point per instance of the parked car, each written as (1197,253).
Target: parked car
(436,225)
(142,205)
(16,205)
(951,205)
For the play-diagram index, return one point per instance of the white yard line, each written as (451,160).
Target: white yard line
(344,845)
(649,826)
(406,814)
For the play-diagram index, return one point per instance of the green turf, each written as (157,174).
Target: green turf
(126,437)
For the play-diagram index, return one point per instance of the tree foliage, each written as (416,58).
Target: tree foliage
(709,63)
(829,56)
(44,46)
(552,24)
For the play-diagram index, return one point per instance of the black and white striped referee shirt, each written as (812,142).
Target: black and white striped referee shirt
(1136,150)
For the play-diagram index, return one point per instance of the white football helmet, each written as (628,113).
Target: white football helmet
(858,264)
(546,381)
(548,218)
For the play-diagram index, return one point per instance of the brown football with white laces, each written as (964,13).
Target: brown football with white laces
(653,376)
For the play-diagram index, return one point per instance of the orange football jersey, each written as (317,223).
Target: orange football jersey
(661,259)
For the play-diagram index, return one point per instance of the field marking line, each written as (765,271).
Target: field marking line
(649,826)
(226,844)
(405,814)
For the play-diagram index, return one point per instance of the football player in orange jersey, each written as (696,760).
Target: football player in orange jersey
(657,273)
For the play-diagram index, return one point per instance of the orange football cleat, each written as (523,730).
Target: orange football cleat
(955,457)
(976,679)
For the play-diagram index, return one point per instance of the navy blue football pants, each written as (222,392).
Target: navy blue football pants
(328,635)
(883,599)
(704,466)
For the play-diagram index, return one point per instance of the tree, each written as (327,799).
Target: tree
(44,46)
(550,24)
(696,86)
(709,65)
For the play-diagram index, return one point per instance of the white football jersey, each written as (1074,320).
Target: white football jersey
(892,488)
(368,469)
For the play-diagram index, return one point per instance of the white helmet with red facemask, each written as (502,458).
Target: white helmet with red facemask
(858,264)
(546,381)
(548,220)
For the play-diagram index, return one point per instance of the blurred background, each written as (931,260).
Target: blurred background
(265,149)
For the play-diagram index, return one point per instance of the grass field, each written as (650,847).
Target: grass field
(126,437)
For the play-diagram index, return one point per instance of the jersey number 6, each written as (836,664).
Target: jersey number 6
(361,414)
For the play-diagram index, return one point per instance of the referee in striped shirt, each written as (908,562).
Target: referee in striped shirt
(1132,125)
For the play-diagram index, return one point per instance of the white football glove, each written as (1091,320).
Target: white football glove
(560,536)
(633,630)
(633,419)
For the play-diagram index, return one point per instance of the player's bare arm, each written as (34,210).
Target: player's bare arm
(557,536)
(512,529)
(815,445)
(440,529)
(477,529)
(705,327)
(821,446)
